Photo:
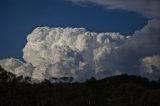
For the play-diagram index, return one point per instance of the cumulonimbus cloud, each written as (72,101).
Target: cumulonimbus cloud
(75,52)
(149,8)
(64,52)
(144,43)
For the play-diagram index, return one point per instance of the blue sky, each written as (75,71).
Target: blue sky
(18,18)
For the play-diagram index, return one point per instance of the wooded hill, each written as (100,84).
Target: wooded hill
(122,90)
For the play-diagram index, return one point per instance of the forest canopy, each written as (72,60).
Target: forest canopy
(121,90)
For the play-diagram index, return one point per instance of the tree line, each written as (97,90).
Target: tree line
(121,90)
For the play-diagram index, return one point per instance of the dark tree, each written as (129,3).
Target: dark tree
(122,90)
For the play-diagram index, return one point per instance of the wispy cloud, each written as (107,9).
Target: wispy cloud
(149,8)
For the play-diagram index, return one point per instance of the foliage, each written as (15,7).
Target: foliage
(122,90)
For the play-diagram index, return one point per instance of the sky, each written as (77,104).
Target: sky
(43,39)
(19,17)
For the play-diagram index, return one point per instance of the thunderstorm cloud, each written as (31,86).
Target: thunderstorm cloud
(78,53)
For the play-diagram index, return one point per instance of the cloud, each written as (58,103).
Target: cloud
(17,67)
(150,66)
(65,52)
(75,52)
(149,8)
(143,43)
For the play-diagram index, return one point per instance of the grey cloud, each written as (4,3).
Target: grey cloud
(149,8)
(143,43)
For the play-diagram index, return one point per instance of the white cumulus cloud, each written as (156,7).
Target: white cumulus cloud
(150,66)
(65,52)
(75,52)
(17,67)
